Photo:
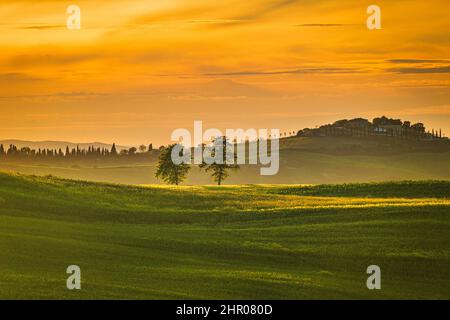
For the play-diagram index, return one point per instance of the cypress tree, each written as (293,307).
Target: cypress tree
(114,150)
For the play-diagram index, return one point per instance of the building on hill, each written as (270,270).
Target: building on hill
(382,126)
(394,129)
(380,130)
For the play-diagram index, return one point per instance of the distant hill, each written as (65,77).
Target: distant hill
(368,145)
(303,160)
(311,159)
(56,144)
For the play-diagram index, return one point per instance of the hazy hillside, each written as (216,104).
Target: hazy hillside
(372,145)
(302,160)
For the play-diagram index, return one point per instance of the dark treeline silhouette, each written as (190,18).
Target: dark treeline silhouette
(381,126)
(75,153)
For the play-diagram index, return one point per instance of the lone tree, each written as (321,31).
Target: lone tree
(167,170)
(217,164)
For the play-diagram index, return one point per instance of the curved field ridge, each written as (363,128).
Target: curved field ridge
(232,242)
(394,189)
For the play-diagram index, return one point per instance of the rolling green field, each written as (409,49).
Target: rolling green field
(231,242)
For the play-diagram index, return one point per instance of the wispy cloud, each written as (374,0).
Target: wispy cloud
(41,27)
(305,25)
(62,95)
(414,70)
(24,60)
(268,7)
(413,61)
(17,77)
(212,16)
(287,71)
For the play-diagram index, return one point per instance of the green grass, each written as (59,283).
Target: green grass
(235,242)
(406,189)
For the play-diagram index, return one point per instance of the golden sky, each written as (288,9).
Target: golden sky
(139,69)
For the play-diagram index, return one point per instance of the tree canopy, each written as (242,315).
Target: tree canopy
(167,170)
(217,163)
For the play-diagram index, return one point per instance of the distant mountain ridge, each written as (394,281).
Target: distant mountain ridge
(57,144)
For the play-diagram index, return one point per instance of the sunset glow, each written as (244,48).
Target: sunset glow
(139,69)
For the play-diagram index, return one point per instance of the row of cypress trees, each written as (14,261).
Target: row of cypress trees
(91,152)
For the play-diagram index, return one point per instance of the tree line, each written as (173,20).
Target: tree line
(166,170)
(91,152)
